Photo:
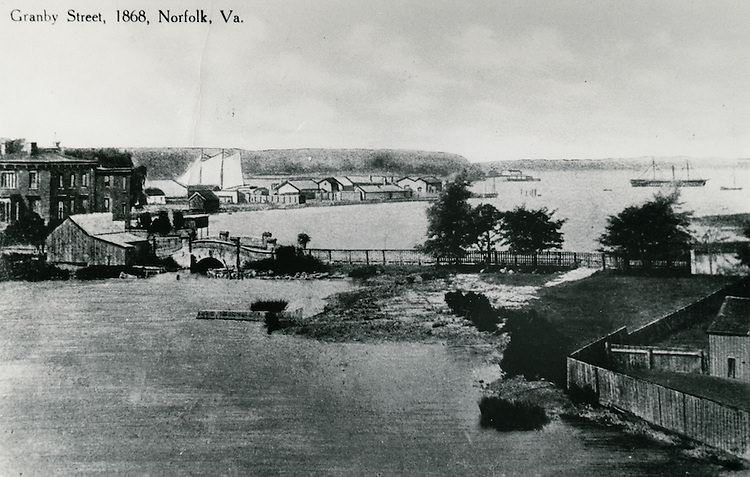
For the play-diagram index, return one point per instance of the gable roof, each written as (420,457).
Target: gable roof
(207,195)
(102,227)
(733,318)
(302,184)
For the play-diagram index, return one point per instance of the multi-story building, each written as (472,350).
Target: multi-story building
(112,187)
(53,185)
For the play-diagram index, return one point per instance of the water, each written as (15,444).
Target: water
(585,198)
(117,377)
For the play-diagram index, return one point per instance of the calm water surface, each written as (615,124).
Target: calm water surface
(585,198)
(117,377)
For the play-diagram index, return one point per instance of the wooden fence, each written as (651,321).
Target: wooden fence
(494,258)
(719,425)
(681,360)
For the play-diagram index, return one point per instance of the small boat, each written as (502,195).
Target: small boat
(673,182)
(734,185)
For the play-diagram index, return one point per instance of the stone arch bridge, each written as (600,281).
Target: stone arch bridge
(218,253)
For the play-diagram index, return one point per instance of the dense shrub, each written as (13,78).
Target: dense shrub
(269,305)
(475,307)
(17,266)
(364,272)
(510,415)
(288,261)
(536,349)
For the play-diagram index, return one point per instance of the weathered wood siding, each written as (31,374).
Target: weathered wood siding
(704,420)
(724,347)
(69,244)
(681,360)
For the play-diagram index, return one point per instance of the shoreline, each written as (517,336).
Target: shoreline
(379,312)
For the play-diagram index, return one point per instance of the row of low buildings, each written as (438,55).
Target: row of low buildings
(297,191)
(55,186)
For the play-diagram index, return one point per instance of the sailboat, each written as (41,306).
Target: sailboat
(223,170)
(734,185)
(673,182)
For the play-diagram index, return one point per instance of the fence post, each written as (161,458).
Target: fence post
(604,261)
(367,257)
(384,262)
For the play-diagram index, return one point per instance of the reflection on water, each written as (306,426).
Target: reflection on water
(118,377)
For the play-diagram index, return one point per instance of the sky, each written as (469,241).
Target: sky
(489,80)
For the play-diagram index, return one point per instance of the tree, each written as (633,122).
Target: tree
(529,231)
(13,146)
(652,231)
(28,229)
(303,239)
(137,182)
(449,230)
(485,222)
(161,224)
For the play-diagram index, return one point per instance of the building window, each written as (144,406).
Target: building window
(5,210)
(34,205)
(85,204)
(125,210)
(72,180)
(731,368)
(33,180)
(8,180)
(85,179)
(60,209)
(61,181)
(72,206)
(124,183)
(106,204)
(107,181)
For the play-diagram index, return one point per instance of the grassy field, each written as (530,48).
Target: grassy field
(587,309)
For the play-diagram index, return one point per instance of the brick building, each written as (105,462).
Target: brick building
(55,186)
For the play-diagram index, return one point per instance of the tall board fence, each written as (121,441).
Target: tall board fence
(716,424)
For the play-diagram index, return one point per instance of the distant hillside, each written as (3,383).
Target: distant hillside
(634,163)
(167,163)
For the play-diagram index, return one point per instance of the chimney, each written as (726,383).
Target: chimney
(34,150)
(2,148)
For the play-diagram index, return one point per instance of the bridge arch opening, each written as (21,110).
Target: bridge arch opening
(203,265)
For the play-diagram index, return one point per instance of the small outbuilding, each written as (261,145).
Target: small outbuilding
(204,200)
(155,196)
(87,240)
(729,340)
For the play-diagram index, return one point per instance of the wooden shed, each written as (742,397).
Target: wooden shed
(94,239)
(729,340)
(204,201)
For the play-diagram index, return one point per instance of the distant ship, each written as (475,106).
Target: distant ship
(673,182)
(512,175)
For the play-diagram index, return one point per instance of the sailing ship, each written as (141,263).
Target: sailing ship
(673,182)
(222,170)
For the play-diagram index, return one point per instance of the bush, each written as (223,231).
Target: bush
(364,272)
(269,305)
(536,348)
(510,415)
(288,261)
(475,307)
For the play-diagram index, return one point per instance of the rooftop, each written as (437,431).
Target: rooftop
(733,318)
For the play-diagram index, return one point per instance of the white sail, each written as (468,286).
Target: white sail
(218,170)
